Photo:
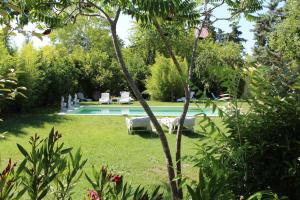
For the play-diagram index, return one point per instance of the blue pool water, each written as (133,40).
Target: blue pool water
(137,111)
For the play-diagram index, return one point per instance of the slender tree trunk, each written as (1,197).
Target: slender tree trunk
(163,139)
(183,115)
(185,107)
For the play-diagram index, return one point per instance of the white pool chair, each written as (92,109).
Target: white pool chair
(82,98)
(125,97)
(138,124)
(172,123)
(182,99)
(105,98)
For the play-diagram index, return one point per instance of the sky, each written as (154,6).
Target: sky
(125,24)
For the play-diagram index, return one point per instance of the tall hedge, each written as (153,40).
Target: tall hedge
(164,83)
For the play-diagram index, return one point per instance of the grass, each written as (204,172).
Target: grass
(103,141)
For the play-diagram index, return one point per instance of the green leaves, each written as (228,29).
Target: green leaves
(47,165)
(23,151)
(9,87)
(172,11)
(109,185)
(165,84)
(210,187)
(265,195)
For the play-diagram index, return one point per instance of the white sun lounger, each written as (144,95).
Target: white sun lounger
(125,97)
(142,123)
(182,99)
(172,123)
(104,98)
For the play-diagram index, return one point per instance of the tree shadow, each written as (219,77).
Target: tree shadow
(14,124)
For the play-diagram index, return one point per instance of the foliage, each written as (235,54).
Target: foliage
(107,185)
(89,34)
(9,87)
(164,83)
(58,70)
(50,162)
(285,38)
(137,68)
(69,177)
(10,182)
(9,90)
(146,42)
(260,148)
(50,170)
(214,64)
(210,187)
(265,195)
(235,34)
(266,24)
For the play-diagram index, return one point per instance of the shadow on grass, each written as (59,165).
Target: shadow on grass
(146,134)
(14,124)
(153,135)
(192,134)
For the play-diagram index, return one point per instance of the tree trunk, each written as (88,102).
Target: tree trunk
(185,108)
(182,118)
(137,93)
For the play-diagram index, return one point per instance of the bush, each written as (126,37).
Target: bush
(137,68)
(165,84)
(214,63)
(107,185)
(260,149)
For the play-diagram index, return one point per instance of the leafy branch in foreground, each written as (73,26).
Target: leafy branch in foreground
(50,165)
(10,182)
(9,89)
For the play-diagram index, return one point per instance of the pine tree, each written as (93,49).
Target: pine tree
(265,25)
(220,36)
(235,34)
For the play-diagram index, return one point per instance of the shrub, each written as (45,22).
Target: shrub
(165,84)
(213,65)
(260,148)
(10,182)
(49,166)
(107,185)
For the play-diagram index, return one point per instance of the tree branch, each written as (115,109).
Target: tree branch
(117,15)
(102,11)
(213,8)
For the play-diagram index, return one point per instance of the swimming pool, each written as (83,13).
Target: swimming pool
(137,111)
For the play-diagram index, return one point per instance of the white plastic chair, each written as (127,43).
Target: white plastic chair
(105,98)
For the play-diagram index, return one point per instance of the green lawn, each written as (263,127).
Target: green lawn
(103,140)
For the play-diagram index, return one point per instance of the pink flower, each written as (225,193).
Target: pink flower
(93,195)
(117,179)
